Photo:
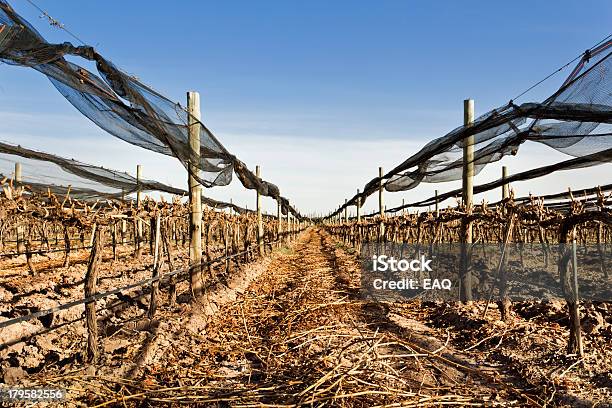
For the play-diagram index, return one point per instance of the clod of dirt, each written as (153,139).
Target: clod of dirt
(593,323)
(12,375)
(111,345)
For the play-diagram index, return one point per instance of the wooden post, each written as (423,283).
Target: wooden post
(20,230)
(381,206)
(156,267)
(91,288)
(138,231)
(259,219)
(195,196)
(93,233)
(279,218)
(114,239)
(288,234)
(18,174)
(358,207)
(437,205)
(123,222)
(468,195)
(505,187)
(123,230)
(468,154)
(345,210)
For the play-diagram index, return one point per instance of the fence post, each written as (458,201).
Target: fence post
(93,233)
(437,205)
(259,219)
(279,218)
(505,187)
(195,195)
(20,230)
(114,238)
(358,207)
(288,230)
(345,210)
(381,205)
(123,221)
(468,194)
(91,288)
(138,224)
(18,176)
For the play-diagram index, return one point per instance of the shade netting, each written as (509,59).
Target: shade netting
(125,107)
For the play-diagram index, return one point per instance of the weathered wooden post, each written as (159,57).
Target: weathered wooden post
(437,205)
(358,207)
(91,288)
(195,195)
(468,195)
(93,233)
(138,231)
(345,211)
(19,229)
(279,218)
(259,219)
(381,205)
(114,239)
(18,174)
(505,187)
(288,233)
(123,221)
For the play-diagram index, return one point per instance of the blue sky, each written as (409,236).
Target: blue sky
(281,74)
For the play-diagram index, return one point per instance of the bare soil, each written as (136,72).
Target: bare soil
(293,330)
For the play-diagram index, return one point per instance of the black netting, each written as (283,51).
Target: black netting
(571,164)
(576,120)
(123,106)
(44,172)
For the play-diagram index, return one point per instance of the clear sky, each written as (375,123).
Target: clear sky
(319,93)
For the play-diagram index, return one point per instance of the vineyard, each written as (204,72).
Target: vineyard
(94,306)
(116,290)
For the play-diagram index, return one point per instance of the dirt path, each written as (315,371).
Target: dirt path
(300,335)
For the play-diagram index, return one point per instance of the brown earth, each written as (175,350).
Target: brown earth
(292,330)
